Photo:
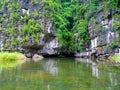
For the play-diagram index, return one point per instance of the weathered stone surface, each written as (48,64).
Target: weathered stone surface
(102,33)
(1,43)
(104,38)
(47,43)
(51,48)
(37,57)
(100,29)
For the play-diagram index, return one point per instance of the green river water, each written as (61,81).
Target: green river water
(60,74)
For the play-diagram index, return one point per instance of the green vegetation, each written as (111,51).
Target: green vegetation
(113,45)
(70,20)
(117,24)
(11,59)
(115,58)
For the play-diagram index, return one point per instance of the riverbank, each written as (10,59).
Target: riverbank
(97,54)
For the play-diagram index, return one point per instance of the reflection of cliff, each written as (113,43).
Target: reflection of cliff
(51,67)
(95,71)
(113,79)
(83,60)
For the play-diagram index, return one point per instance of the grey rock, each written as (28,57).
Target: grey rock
(29,55)
(37,57)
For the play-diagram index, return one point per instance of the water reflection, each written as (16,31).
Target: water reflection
(51,66)
(83,60)
(48,87)
(113,79)
(0,70)
(95,70)
(60,74)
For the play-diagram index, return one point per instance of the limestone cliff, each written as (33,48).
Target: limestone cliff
(102,21)
(104,37)
(53,27)
(26,27)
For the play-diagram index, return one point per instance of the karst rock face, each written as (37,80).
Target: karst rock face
(30,26)
(20,17)
(102,32)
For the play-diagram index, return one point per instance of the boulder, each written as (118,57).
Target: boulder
(29,55)
(37,57)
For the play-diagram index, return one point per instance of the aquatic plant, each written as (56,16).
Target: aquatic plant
(11,59)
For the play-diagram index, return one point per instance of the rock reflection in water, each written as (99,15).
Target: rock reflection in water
(51,66)
(0,70)
(83,60)
(113,80)
(48,87)
(60,74)
(95,70)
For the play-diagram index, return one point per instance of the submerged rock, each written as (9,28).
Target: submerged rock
(37,57)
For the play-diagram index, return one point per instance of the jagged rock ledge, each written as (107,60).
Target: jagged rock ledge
(95,54)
